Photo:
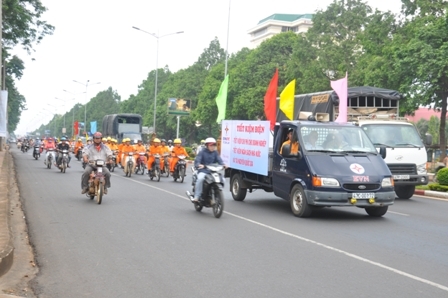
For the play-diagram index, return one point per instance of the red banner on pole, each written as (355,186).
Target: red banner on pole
(75,127)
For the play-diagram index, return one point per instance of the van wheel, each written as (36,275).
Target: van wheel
(376,211)
(238,193)
(298,202)
(405,192)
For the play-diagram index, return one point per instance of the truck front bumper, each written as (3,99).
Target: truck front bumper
(326,198)
(413,180)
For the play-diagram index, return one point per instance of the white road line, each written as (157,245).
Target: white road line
(398,213)
(359,258)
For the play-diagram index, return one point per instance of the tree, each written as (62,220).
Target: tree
(420,57)
(21,25)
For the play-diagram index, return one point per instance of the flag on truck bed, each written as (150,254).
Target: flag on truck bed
(270,100)
(286,103)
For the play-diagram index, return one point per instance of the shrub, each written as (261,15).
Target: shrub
(190,152)
(438,187)
(442,176)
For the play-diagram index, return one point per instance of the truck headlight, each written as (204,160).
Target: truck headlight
(421,169)
(387,182)
(325,182)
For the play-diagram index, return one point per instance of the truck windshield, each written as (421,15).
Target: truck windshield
(335,138)
(393,135)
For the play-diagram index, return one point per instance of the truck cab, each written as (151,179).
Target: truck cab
(406,154)
(335,165)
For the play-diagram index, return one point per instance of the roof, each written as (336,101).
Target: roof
(286,17)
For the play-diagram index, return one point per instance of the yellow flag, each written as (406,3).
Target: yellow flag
(286,103)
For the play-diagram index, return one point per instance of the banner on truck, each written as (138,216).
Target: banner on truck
(179,106)
(245,145)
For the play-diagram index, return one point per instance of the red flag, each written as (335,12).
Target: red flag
(270,100)
(75,126)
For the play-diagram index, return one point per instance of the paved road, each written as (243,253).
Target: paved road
(146,240)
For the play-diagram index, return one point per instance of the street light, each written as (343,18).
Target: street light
(157,61)
(73,112)
(85,107)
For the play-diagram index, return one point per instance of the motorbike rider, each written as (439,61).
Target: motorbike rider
(139,148)
(113,145)
(78,146)
(166,150)
(49,145)
(207,156)
(109,142)
(177,150)
(200,147)
(170,145)
(64,145)
(120,147)
(155,149)
(127,147)
(104,140)
(95,151)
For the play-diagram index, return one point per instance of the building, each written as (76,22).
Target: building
(277,23)
(424,113)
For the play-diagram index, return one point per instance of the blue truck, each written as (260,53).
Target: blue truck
(334,165)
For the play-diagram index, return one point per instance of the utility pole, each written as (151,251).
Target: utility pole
(1,62)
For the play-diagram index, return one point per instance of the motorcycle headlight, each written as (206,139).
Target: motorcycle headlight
(100,162)
(421,169)
(387,182)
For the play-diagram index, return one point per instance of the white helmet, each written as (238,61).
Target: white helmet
(209,140)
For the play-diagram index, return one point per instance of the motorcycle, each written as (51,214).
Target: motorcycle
(113,162)
(154,172)
(179,168)
(50,157)
(212,195)
(79,153)
(25,147)
(36,152)
(128,164)
(97,181)
(166,166)
(141,164)
(64,161)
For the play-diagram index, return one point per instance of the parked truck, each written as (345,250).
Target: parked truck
(313,163)
(120,126)
(376,111)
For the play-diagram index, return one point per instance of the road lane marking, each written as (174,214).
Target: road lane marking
(348,254)
(398,213)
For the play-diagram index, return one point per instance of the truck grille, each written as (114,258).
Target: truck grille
(397,169)
(355,187)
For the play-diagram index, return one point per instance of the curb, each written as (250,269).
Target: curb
(431,193)
(6,243)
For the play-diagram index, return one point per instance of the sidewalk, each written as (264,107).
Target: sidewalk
(6,241)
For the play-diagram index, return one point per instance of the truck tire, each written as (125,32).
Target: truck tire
(405,192)
(238,193)
(298,202)
(376,211)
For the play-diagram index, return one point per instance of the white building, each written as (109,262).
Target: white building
(277,23)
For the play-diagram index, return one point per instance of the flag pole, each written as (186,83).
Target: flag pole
(227,45)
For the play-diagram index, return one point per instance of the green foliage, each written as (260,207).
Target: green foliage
(434,129)
(190,152)
(438,187)
(442,176)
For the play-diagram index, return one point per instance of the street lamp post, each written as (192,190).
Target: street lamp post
(73,112)
(157,61)
(85,107)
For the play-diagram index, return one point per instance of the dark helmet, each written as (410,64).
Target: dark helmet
(170,141)
(163,140)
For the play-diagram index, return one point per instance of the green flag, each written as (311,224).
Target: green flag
(221,100)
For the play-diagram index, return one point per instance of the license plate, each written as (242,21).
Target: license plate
(363,195)
(401,177)
(100,170)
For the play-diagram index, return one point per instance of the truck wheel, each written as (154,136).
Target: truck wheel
(298,202)
(376,211)
(405,192)
(238,193)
